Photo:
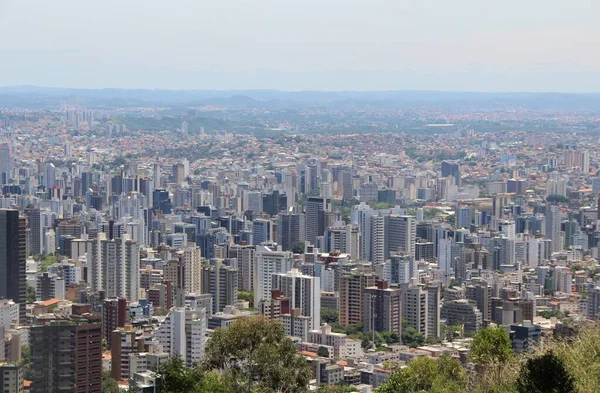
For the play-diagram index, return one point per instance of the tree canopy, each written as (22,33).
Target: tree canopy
(491,346)
(255,354)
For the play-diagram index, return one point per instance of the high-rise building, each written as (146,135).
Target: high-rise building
(268,262)
(378,239)
(12,258)
(414,309)
(352,288)
(462,312)
(246,260)
(192,261)
(35,231)
(262,231)
(12,378)
(114,315)
(383,308)
(66,356)
(451,169)
(303,291)
(222,283)
(344,239)
(183,334)
(553,221)
(290,229)
(401,235)
(124,341)
(434,293)
(5,164)
(317,217)
(115,267)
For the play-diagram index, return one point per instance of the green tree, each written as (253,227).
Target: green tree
(175,377)
(298,248)
(323,352)
(246,296)
(329,315)
(545,374)
(26,361)
(109,385)
(255,354)
(411,337)
(30,296)
(424,374)
(491,346)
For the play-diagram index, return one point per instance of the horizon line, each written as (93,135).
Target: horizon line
(306,91)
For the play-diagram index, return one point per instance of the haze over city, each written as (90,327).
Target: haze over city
(299,196)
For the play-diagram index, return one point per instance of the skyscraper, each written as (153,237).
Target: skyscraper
(221,282)
(269,262)
(553,220)
(383,308)
(402,232)
(352,288)
(452,169)
(66,354)
(262,231)
(317,217)
(303,291)
(5,164)
(290,228)
(36,230)
(12,258)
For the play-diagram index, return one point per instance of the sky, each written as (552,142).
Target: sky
(456,45)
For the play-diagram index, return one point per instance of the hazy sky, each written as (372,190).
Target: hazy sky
(476,45)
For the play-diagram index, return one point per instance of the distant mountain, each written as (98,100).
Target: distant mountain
(47,98)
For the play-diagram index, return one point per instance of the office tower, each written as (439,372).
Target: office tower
(352,287)
(274,203)
(46,286)
(262,231)
(464,217)
(378,239)
(290,230)
(12,258)
(115,267)
(424,251)
(303,291)
(114,315)
(192,261)
(368,192)
(462,312)
(12,377)
(445,259)
(383,308)
(414,309)
(183,334)
(451,169)
(178,173)
(66,354)
(221,282)
(36,231)
(499,202)
(553,221)
(434,291)
(269,262)
(344,239)
(481,293)
(5,164)
(253,202)
(401,235)
(345,183)
(49,176)
(124,341)
(402,268)
(161,201)
(246,256)
(317,217)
